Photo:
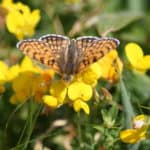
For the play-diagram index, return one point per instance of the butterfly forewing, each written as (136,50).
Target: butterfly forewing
(47,49)
(56,42)
(85,41)
(98,48)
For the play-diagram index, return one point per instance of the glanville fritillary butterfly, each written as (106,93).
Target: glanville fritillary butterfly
(67,56)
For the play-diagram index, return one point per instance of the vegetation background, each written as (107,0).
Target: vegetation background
(63,128)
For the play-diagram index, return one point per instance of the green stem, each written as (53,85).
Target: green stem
(30,124)
(79,130)
(33,115)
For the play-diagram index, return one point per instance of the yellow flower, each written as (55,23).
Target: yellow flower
(41,84)
(29,81)
(76,92)
(59,90)
(135,55)
(91,74)
(79,90)
(79,104)
(20,20)
(140,129)
(22,86)
(79,93)
(111,66)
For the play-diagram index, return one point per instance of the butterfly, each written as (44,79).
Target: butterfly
(67,56)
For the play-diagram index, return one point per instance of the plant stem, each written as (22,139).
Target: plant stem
(79,130)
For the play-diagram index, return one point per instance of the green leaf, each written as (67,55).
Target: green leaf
(126,101)
(116,21)
(99,128)
(139,85)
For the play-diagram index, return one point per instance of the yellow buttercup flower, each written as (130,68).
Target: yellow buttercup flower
(139,132)
(111,66)
(18,19)
(135,55)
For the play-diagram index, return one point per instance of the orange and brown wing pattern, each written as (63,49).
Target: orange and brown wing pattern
(85,41)
(41,50)
(96,50)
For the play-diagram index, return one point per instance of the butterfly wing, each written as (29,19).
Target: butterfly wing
(91,49)
(47,49)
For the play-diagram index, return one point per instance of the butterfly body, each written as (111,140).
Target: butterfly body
(69,60)
(67,56)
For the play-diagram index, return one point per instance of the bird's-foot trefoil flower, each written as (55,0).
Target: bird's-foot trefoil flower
(20,20)
(136,57)
(140,130)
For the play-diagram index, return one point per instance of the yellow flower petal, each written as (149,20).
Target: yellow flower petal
(35,17)
(133,135)
(14,22)
(13,72)
(27,65)
(8,5)
(23,92)
(134,53)
(144,63)
(58,89)
(79,104)
(50,100)
(111,66)
(80,90)
(3,72)
(92,74)
(138,121)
